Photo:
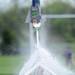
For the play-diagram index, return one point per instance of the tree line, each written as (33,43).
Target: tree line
(11,24)
(64,27)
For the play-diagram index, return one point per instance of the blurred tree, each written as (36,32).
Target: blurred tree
(65,27)
(12,25)
(57,7)
(9,38)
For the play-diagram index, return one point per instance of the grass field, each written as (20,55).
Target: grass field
(10,65)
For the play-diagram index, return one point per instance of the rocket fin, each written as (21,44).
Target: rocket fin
(28,18)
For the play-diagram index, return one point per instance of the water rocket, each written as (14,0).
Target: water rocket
(34,2)
(35,13)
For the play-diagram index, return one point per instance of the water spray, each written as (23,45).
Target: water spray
(37,38)
(41,57)
(36,18)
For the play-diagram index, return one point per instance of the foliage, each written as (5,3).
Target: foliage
(64,27)
(11,26)
(58,7)
(8,36)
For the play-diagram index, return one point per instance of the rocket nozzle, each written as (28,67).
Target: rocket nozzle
(36,25)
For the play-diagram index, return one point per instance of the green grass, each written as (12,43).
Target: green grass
(10,65)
